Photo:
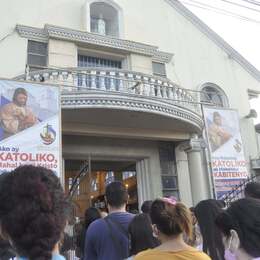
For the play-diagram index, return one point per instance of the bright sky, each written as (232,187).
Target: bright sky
(241,34)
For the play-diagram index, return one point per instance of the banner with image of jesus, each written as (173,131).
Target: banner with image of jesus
(29,125)
(226,149)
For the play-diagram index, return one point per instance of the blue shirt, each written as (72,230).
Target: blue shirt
(54,257)
(99,244)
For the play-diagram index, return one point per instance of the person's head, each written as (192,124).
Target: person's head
(91,214)
(116,195)
(146,206)
(240,225)
(170,219)
(206,213)
(20,97)
(217,118)
(33,211)
(252,190)
(141,234)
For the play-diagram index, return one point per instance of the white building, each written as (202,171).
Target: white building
(131,73)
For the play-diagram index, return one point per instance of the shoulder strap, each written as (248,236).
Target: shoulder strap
(116,242)
(118,225)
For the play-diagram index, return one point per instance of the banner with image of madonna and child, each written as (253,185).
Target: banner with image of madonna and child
(226,149)
(29,125)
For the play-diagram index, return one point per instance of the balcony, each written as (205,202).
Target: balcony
(123,90)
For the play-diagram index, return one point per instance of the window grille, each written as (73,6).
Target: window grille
(159,69)
(37,53)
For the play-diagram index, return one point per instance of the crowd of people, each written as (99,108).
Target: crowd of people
(34,212)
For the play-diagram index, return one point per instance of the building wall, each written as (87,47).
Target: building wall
(13,53)
(62,54)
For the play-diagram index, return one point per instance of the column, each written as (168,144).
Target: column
(143,180)
(183,176)
(198,180)
(148,180)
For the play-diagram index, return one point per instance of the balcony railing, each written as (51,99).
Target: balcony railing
(112,80)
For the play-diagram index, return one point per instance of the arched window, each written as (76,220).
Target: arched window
(211,93)
(104,17)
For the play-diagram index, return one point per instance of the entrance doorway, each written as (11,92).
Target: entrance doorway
(91,189)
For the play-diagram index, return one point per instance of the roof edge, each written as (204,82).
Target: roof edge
(215,38)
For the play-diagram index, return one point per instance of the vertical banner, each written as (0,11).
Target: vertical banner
(226,149)
(29,126)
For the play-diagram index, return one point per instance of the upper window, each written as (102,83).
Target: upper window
(211,93)
(104,19)
(159,69)
(37,53)
(90,61)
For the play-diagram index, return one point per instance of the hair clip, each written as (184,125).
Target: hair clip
(171,200)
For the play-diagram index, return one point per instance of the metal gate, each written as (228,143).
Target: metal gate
(70,244)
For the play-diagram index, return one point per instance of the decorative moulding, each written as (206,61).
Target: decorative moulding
(112,101)
(61,33)
(32,33)
(193,145)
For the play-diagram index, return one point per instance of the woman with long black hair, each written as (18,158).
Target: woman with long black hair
(206,213)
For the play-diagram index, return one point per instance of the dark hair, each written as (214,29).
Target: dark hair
(171,219)
(19,91)
(252,190)
(141,234)
(243,217)
(91,214)
(146,206)
(33,210)
(206,213)
(116,194)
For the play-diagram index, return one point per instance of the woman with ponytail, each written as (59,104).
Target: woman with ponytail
(171,220)
(33,212)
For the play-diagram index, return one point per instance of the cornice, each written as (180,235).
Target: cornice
(61,33)
(96,99)
(32,33)
(193,145)
(160,56)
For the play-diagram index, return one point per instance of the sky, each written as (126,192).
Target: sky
(241,33)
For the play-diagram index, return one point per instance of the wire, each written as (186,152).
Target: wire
(220,11)
(243,6)
(252,2)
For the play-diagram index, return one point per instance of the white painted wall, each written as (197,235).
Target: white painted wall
(141,63)
(13,53)
(62,54)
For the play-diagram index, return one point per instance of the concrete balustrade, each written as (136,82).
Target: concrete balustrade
(112,80)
